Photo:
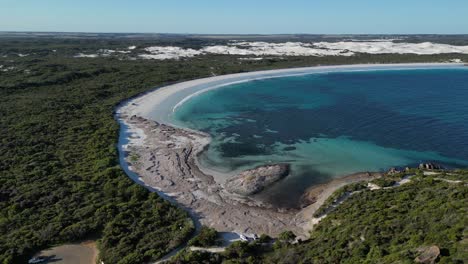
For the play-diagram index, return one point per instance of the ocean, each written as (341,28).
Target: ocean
(328,125)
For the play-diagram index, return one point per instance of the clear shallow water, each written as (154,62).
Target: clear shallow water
(332,124)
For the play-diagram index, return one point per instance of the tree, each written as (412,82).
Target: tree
(287,236)
(206,238)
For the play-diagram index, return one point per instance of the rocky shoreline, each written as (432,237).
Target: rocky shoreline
(164,157)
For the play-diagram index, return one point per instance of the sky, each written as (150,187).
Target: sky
(237,16)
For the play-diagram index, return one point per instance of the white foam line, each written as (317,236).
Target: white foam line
(228,84)
(187,98)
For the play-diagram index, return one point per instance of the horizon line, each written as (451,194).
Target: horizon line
(236,34)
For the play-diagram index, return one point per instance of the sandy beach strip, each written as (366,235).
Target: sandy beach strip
(154,104)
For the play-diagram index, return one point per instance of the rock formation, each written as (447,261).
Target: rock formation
(255,180)
(428,255)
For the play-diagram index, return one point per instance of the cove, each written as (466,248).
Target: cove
(331,124)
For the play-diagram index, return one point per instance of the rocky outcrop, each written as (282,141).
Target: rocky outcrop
(167,162)
(255,180)
(430,166)
(428,255)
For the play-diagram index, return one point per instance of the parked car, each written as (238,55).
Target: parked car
(243,238)
(35,260)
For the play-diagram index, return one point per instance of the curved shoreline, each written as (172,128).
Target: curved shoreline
(161,103)
(155,101)
(167,156)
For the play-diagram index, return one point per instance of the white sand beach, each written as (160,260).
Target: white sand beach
(147,103)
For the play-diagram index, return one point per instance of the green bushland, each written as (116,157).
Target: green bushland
(387,226)
(206,237)
(384,182)
(380,226)
(60,180)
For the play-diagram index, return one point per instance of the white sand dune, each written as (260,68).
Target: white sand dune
(259,48)
(343,48)
(382,47)
(163,53)
(274,49)
(82,55)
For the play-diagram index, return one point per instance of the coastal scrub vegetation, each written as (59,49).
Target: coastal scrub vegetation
(60,180)
(206,237)
(60,177)
(380,226)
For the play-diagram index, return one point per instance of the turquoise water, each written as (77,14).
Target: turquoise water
(332,124)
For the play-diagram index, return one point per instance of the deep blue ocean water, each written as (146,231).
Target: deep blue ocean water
(332,124)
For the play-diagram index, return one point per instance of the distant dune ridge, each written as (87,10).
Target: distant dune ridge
(342,48)
(260,48)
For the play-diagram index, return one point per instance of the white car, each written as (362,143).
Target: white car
(243,238)
(36,260)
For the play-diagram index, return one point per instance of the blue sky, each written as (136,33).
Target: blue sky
(237,16)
